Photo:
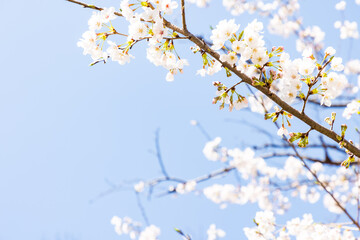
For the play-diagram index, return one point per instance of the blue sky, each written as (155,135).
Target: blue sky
(69,131)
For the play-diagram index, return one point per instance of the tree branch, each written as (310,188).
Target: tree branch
(305,157)
(183,15)
(337,105)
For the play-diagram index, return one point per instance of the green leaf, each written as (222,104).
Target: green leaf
(304,141)
(228,73)
(269,115)
(348,161)
(241,35)
(343,130)
(294,137)
(301,95)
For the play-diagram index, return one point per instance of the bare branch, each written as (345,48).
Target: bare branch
(337,105)
(158,153)
(324,161)
(142,209)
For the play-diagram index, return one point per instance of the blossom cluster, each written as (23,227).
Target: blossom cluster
(247,53)
(303,229)
(143,25)
(129,227)
(283,20)
(215,233)
(347,29)
(264,181)
(351,108)
(126,226)
(90,38)
(274,69)
(264,184)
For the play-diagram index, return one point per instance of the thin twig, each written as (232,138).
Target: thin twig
(90,6)
(142,209)
(203,131)
(160,180)
(203,178)
(312,84)
(158,153)
(254,126)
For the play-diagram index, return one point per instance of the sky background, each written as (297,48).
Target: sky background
(69,132)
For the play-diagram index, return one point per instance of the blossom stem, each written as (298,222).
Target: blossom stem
(312,84)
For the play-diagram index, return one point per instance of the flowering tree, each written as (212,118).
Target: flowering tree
(268,81)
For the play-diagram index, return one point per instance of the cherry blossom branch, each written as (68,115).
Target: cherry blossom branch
(316,177)
(324,187)
(318,180)
(133,44)
(266,91)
